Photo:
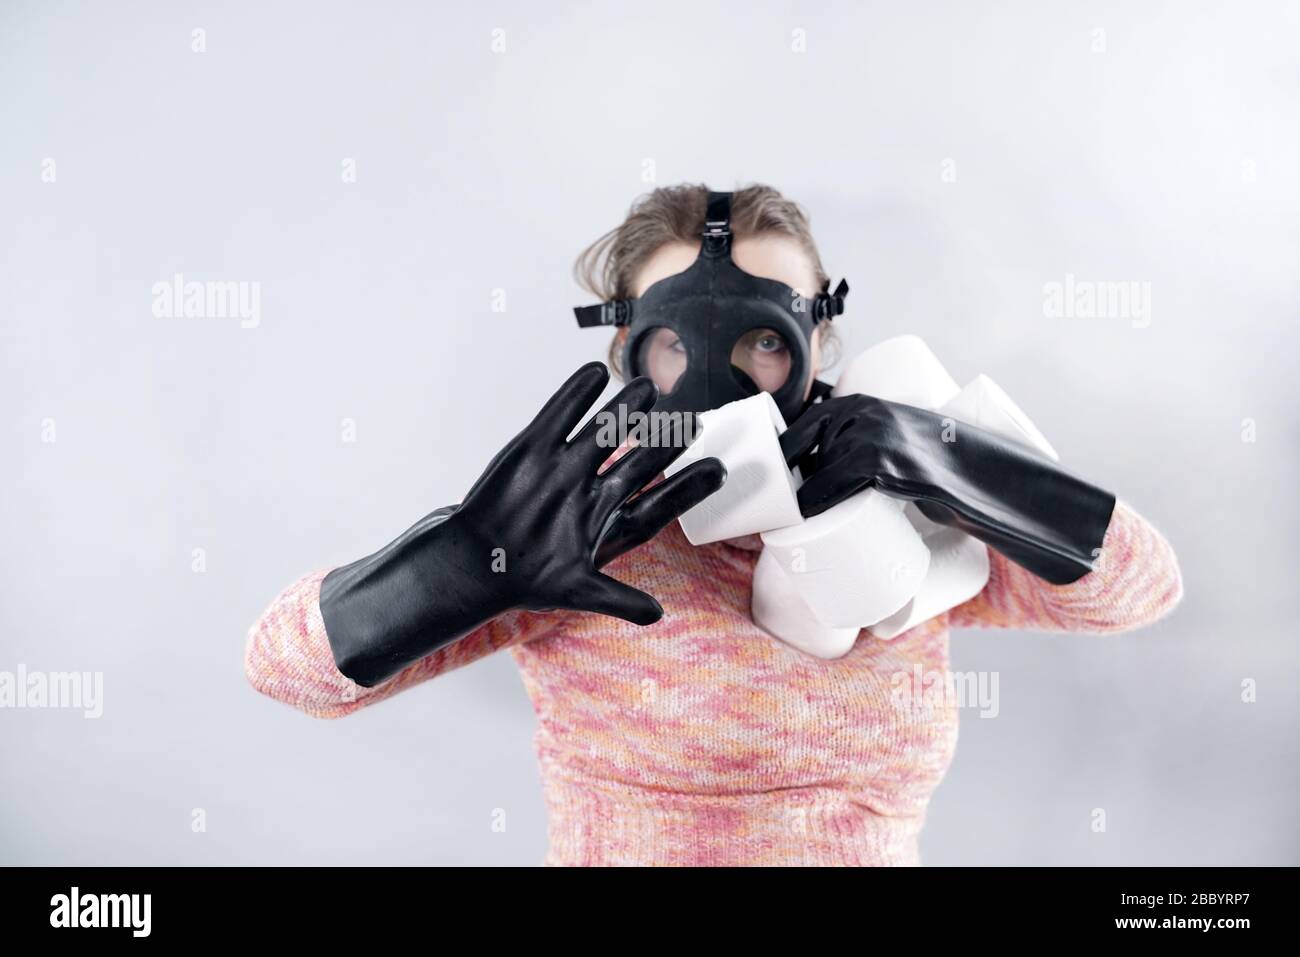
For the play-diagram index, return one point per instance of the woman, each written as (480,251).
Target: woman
(672,729)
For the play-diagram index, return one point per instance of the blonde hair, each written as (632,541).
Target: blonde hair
(608,267)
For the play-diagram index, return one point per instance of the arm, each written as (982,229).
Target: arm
(288,655)
(1135,582)
(529,537)
(1005,494)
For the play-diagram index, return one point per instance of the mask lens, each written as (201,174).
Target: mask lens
(661,355)
(763,357)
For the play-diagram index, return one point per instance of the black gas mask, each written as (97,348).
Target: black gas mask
(715,333)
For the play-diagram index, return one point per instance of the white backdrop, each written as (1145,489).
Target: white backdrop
(954,161)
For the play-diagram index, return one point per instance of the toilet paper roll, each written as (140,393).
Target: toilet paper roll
(985,405)
(959,570)
(902,369)
(853,564)
(759,493)
(779,609)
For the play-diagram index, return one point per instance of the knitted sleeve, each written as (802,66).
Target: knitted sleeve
(1135,582)
(288,656)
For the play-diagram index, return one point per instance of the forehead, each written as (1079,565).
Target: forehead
(767,255)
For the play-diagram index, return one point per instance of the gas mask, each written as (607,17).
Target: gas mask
(715,333)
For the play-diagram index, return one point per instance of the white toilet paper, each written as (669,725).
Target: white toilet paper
(778,609)
(861,567)
(853,564)
(759,493)
(959,570)
(983,404)
(902,369)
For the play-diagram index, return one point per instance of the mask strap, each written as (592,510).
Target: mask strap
(717,243)
(820,390)
(616,312)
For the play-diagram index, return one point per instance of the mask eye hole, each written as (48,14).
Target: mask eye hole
(764,356)
(661,355)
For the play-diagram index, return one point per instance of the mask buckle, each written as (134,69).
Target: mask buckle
(616,312)
(717,225)
(828,305)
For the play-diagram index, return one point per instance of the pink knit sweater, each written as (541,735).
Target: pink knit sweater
(702,740)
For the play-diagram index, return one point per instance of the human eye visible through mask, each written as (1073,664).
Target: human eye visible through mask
(764,356)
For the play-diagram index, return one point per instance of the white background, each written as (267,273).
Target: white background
(1171,156)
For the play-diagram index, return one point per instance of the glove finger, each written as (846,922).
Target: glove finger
(803,436)
(639,466)
(827,488)
(646,516)
(565,409)
(602,435)
(607,596)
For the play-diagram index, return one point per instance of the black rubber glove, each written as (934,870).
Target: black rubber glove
(530,534)
(1029,509)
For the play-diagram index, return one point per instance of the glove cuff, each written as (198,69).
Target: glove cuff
(412,597)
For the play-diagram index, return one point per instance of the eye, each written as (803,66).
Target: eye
(770,343)
(677,345)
